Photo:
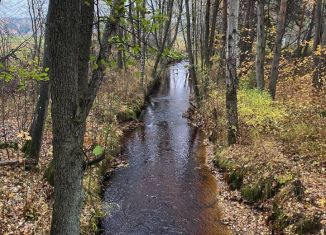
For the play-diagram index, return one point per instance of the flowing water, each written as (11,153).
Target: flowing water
(166,188)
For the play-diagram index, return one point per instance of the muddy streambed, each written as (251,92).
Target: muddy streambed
(166,188)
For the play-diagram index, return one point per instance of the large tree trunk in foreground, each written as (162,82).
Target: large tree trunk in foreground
(260,54)
(277,49)
(72,100)
(63,29)
(231,70)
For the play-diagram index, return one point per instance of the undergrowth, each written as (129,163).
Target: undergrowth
(278,161)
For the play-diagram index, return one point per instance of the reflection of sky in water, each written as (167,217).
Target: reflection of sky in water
(163,191)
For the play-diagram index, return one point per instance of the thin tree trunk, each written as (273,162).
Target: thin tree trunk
(120,50)
(309,32)
(143,47)
(206,32)
(222,70)
(231,70)
(192,70)
(299,46)
(164,39)
(131,20)
(32,147)
(246,37)
(318,24)
(211,49)
(176,32)
(277,48)
(320,62)
(260,56)
(85,42)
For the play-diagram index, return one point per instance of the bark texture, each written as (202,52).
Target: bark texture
(231,70)
(64,25)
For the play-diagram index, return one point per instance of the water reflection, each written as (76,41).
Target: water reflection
(166,189)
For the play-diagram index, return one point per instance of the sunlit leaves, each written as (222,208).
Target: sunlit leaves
(258,110)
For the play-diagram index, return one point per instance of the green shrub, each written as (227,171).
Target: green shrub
(257,109)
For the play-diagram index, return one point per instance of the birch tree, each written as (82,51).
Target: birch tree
(231,69)
(260,54)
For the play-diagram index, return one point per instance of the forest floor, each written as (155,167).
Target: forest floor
(239,217)
(277,171)
(26,197)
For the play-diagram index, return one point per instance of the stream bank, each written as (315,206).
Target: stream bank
(166,186)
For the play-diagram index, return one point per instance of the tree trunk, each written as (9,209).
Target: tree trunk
(85,42)
(231,70)
(64,29)
(32,147)
(246,36)
(211,49)
(143,47)
(277,48)
(120,50)
(192,70)
(260,54)
(131,20)
(164,39)
(318,24)
(222,70)
(309,32)
(299,46)
(320,62)
(194,31)
(206,32)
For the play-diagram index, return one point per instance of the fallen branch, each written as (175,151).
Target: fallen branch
(10,163)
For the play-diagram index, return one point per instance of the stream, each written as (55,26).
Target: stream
(166,187)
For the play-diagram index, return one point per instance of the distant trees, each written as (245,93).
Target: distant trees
(209,43)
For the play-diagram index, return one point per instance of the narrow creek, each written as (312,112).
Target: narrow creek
(166,188)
